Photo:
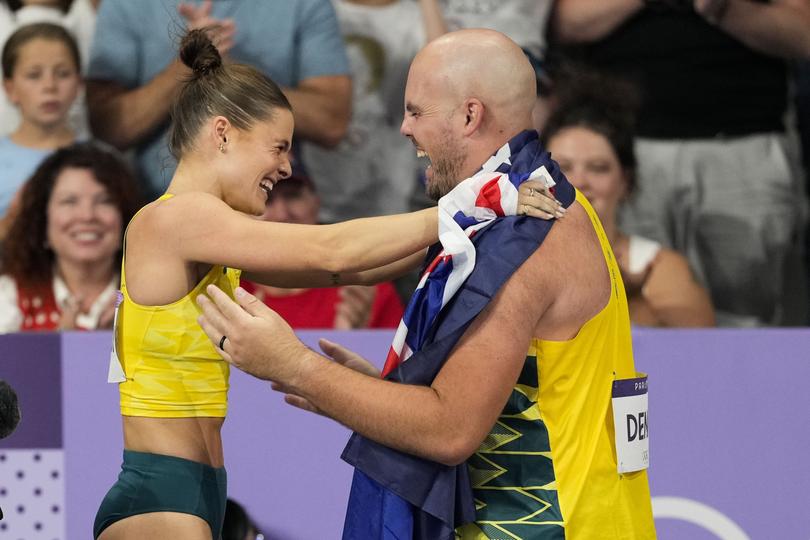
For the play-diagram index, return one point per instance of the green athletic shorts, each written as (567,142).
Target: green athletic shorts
(157,483)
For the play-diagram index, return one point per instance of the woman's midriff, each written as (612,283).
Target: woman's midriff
(197,439)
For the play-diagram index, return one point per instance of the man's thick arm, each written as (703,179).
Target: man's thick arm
(779,28)
(322,108)
(447,421)
(123,117)
(582,21)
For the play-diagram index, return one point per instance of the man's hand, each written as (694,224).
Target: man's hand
(222,32)
(348,358)
(340,355)
(257,340)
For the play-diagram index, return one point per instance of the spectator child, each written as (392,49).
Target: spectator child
(78,16)
(41,78)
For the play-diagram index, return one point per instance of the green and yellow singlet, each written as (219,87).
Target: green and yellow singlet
(548,470)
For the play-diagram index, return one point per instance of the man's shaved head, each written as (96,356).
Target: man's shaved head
(484,64)
(468,93)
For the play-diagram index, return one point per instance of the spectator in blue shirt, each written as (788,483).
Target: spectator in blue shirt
(134,71)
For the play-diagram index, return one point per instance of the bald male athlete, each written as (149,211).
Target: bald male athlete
(500,423)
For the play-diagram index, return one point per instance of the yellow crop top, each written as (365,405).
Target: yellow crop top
(172,369)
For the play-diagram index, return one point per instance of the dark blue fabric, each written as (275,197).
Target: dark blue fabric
(391,519)
(440,496)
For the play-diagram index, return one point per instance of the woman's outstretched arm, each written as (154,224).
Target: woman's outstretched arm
(198,227)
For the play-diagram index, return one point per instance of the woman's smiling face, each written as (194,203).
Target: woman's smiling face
(589,162)
(84,222)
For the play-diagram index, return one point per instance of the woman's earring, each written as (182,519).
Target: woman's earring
(222,147)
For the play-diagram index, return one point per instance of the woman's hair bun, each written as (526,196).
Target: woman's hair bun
(199,53)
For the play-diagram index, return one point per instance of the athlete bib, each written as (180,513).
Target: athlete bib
(630,421)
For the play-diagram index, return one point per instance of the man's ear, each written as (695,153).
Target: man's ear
(473,115)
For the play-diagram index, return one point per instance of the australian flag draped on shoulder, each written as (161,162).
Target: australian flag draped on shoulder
(398,496)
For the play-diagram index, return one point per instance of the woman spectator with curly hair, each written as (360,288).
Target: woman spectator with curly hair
(62,255)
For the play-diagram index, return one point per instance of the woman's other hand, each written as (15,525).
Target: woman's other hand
(536,200)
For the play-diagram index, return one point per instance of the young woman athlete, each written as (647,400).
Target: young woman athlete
(232,130)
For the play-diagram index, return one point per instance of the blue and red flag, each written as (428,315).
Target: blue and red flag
(400,496)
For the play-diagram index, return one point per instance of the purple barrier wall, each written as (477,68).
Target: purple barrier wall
(729,416)
(727,453)
(29,363)
(32,479)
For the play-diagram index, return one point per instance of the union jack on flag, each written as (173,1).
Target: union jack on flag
(470,206)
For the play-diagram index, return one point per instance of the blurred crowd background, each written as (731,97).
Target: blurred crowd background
(685,122)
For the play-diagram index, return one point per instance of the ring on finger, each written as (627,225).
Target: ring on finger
(222,343)
(531,192)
